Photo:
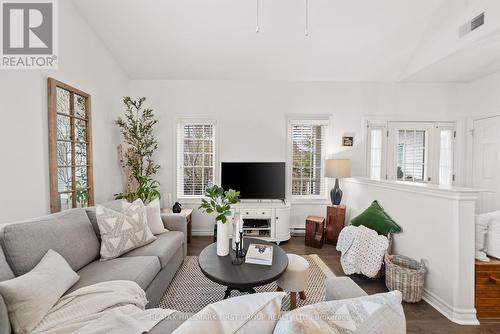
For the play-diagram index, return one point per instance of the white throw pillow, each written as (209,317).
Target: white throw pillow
(123,232)
(493,239)
(255,313)
(30,297)
(154,217)
(481,231)
(376,314)
(487,235)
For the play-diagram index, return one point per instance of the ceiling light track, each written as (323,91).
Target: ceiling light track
(257,28)
(307,18)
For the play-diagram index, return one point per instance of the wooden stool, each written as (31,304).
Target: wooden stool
(295,278)
(315,231)
(335,219)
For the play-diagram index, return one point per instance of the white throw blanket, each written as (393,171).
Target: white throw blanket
(362,250)
(107,307)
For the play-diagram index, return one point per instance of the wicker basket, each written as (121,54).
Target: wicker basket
(406,275)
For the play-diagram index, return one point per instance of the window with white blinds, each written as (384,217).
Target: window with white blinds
(411,155)
(308,149)
(411,151)
(195,158)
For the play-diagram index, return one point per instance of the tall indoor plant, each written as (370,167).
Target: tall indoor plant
(219,202)
(136,154)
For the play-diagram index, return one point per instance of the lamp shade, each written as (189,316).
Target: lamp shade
(338,168)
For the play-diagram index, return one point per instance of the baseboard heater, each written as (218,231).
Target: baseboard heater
(298,231)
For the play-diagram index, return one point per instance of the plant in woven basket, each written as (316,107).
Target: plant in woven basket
(139,146)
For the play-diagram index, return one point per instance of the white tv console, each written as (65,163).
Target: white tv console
(269,221)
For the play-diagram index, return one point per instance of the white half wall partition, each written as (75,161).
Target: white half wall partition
(438,227)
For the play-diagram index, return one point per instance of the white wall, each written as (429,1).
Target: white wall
(251,118)
(84,63)
(481,97)
(437,227)
(443,55)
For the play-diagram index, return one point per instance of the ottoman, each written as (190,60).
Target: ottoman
(294,280)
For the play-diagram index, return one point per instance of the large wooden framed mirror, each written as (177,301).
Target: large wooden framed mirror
(70,147)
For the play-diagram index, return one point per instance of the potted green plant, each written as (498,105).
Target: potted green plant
(219,202)
(136,154)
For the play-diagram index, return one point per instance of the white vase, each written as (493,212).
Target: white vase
(233,235)
(222,239)
(235,229)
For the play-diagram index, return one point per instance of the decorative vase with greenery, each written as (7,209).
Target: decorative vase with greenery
(136,156)
(219,202)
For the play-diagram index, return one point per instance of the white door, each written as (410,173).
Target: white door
(486,163)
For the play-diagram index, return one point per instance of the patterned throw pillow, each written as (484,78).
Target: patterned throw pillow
(376,314)
(123,231)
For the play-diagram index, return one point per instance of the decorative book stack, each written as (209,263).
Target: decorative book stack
(259,254)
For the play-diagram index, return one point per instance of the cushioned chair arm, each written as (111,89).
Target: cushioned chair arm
(176,222)
(339,288)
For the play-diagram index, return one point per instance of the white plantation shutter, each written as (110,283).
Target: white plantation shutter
(308,150)
(195,158)
(446,137)
(375,151)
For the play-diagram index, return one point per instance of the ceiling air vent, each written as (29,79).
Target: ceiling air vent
(471,25)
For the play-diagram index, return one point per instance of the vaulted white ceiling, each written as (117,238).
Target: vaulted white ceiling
(349,40)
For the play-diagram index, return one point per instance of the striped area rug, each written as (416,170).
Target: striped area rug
(190,290)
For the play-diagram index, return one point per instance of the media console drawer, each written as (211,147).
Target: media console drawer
(488,289)
(255,213)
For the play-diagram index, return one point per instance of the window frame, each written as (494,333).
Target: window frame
(429,159)
(52,85)
(325,123)
(179,144)
(389,148)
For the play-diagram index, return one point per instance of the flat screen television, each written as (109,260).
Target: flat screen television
(255,180)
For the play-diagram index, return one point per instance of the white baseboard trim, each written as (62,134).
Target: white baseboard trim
(458,316)
(202,232)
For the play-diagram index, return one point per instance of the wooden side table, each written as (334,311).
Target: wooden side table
(188,213)
(314,231)
(335,219)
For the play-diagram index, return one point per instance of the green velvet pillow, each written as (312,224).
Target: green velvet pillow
(377,219)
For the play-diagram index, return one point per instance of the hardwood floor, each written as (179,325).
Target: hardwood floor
(420,317)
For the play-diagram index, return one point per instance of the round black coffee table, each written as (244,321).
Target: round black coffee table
(244,277)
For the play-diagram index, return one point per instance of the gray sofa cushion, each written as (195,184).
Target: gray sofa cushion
(5,271)
(4,318)
(339,288)
(69,233)
(140,269)
(170,323)
(164,247)
(5,274)
(113,205)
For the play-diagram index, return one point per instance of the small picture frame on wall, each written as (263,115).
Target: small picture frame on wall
(347,141)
